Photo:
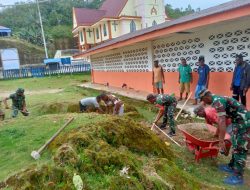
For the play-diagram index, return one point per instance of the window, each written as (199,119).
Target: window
(97,33)
(81,37)
(154,23)
(115,25)
(104,30)
(132,26)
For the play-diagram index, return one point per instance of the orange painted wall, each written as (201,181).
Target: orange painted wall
(219,82)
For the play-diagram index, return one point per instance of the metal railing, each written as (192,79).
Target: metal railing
(42,71)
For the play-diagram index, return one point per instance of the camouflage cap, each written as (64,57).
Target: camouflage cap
(20,90)
(203,93)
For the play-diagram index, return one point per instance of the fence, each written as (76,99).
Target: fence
(43,71)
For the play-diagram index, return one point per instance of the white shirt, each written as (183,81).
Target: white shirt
(90,102)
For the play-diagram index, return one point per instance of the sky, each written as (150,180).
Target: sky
(203,4)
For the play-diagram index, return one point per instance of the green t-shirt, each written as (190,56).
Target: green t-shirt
(185,73)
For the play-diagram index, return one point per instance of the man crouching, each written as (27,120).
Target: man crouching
(18,103)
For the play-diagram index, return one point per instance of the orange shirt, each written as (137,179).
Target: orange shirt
(157,74)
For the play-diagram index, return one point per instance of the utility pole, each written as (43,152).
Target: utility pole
(43,36)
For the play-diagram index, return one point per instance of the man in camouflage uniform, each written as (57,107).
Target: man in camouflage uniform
(169,103)
(240,117)
(18,103)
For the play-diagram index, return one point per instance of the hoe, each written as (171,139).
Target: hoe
(36,154)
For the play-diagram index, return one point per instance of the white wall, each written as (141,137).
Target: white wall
(129,9)
(90,39)
(218,46)
(125,26)
(115,33)
(143,9)
(129,59)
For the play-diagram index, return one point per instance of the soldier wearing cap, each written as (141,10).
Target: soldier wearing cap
(169,103)
(18,103)
(241,79)
(240,118)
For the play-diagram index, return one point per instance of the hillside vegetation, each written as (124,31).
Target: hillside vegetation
(28,53)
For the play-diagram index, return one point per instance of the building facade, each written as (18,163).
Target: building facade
(218,33)
(5,32)
(115,18)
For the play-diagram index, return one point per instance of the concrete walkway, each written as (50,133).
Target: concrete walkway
(131,93)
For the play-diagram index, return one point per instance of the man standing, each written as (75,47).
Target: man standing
(185,78)
(18,103)
(169,103)
(203,72)
(240,118)
(241,79)
(158,77)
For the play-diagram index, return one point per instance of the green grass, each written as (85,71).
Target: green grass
(46,83)
(20,136)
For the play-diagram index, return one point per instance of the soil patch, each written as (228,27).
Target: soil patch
(37,92)
(200,131)
(202,134)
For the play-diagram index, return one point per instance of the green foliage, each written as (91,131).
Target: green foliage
(56,16)
(61,31)
(178,12)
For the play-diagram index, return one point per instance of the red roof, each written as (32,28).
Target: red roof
(109,8)
(113,8)
(88,16)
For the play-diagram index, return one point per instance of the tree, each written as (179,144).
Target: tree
(178,12)
(56,16)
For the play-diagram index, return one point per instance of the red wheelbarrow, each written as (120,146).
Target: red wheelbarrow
(203,148)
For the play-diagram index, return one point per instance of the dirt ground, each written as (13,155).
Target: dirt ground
(47,91)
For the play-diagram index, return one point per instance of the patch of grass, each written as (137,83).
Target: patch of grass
(45,83)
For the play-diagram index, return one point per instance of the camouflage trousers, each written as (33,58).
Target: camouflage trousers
(15,112)
(168,115)
(241,143)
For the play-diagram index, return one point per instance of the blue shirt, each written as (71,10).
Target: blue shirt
(237,77)
(203,73)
